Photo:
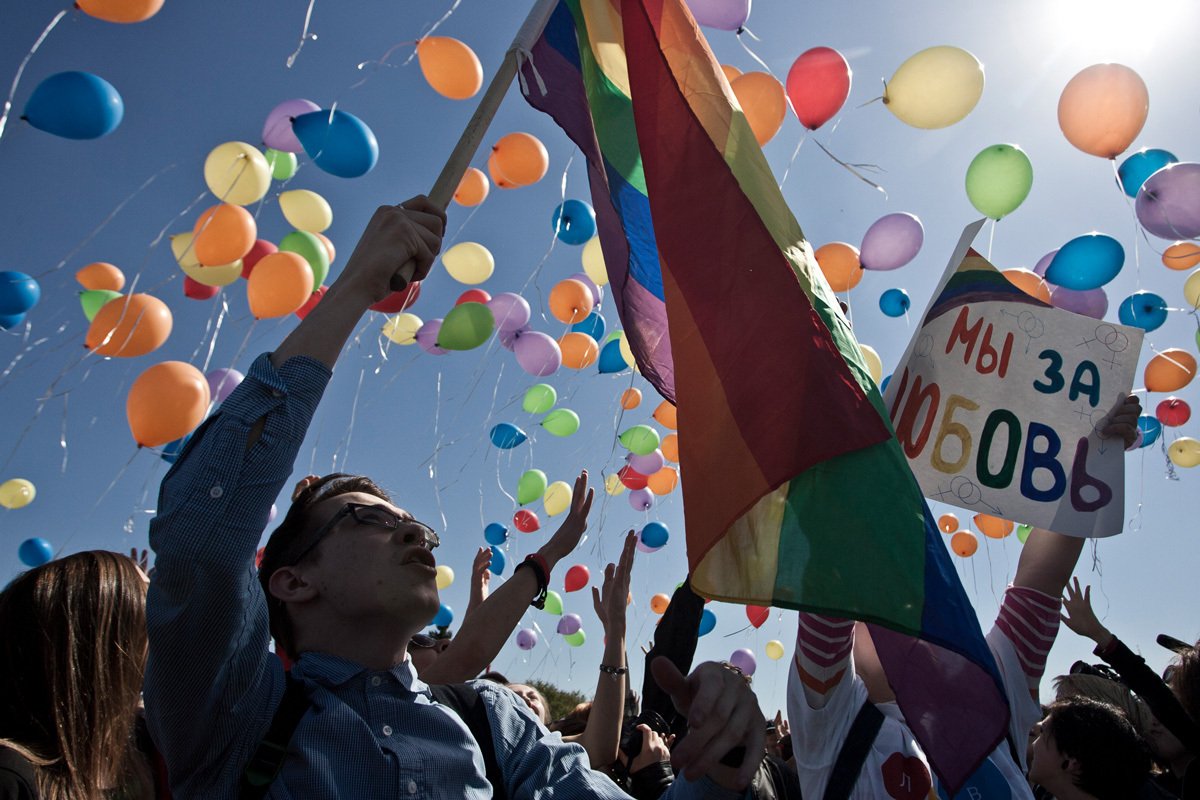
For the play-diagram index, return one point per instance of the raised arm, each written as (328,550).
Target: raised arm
(481,578)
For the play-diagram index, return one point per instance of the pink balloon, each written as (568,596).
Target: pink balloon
(1168,204)
(277,131)
(537,353)
(892,241)
(221,382)
(728,15)
(427,337)
(511,311)
(647,464)
(641,499)
(527,639)
(1090,303)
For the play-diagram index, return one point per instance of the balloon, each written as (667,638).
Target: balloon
(557,498)
(894,302)
(312,250)
(1102,109)
(220,275)
(195,290)
(574,222)
(611,360)
(948,523)
(427,336)
(101,276)
(613,485)
(35,552)
(166,402)
(763,102)
(578,350)
(1170,370)
(648,464)
(1023,532)
(873,363)
(1144,310)
(727,15)
(892,241)
(593,325)
(472,188)
(530,486)
(467,326)
(570,301)
(757,615)
(593,262)
(1191,289)
(964,543)
(527,639)
(640,439)
(496,564)
(631,398)
(123,11)
(451,67)
(1028,282)
(222,381)
(1168,204)
(569,623)
(510,311)
(840,264)
(999,180)
(992,527)
(744,660)
(659,603)
(1044,263)
(730,72)
(402,328)
(312,301)
(553,603)
(280,283)
(666,415)
(18,292)
(445,576)
(277,131)
(1181,255)
(473,296)
(444,616)
(775,650)
(577,578)
(495,533)
(17,493)
(1086,262)
(1135,169)
(283,165)
(1184,452)
(670,447)
(306,210)
(507,436)
(518,159)
(1173,412)
(663,481)
(237,173)
(526,521)
(337,142)
(641,499)
(75,105)
(708,621)
(935,88)
(627,352)
(561,422)
(1090,303)
(818,84)
(630,478)
(223,234)
(469,262)
(129,326)
(1149,429)
(654,534)
(539,398)
(575,639)
(537,353)
(402,300)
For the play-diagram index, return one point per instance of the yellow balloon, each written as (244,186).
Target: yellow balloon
(16,493)
(402,328)
(1191,289)
(223,275)
(181,246)
(874,363)
(469,262)
(306,210)
(237,173)
(593,262)
(613,485)
(774,649)
(1183,452)
(445,576)
(557,498)
(627,352)
(935,88)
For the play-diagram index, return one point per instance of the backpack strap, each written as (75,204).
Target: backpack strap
(264,766)
(465,701)
(854,751)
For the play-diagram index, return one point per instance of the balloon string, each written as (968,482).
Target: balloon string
(434,27)
(752,54)
(991,238)
(787,170)
(12,92)
(380,62)
(304,34)
(853,169)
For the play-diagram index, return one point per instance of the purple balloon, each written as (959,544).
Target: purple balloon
(645,548)
(537,353)
(1168,204)
(511,311)
(527,639)
(744,660)
(221,382)
(892,241)
(569,623)
(641,499)
(508,339)
(597,292)
(647,464)
(277,131)
(1043,263)
(427,336)
(728,15)
(1090,302)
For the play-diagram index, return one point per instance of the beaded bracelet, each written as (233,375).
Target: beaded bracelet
(737,670)
(540,574)
(615,672)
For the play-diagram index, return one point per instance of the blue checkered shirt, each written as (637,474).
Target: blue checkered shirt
(212,686)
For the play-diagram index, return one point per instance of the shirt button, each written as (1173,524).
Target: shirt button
(215,492)
(276,393)
(376,680)
(412,787)
(387,730)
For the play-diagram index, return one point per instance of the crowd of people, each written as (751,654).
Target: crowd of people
(122,685)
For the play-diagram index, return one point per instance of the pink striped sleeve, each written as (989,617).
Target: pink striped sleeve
(1030,619)
(823,646)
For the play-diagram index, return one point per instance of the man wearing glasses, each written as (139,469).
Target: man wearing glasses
(346,581)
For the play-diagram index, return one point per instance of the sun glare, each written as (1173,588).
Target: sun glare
(1117,28)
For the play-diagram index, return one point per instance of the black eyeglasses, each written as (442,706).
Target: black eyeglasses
(412,532)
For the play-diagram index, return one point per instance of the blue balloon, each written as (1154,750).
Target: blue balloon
(341,145)
(894,302)
(445,616)
(611,359)
(1086,262)
(498,560)
(507,436)
(883,386)
(574,222)
(495,533)
(8,321)
(708,621)
(18,292)
(170,452)
(75,105)
(593,325)
(655,534)
(985,783)
(35,552)
(1144,310)
(1150,427)
(1134,170)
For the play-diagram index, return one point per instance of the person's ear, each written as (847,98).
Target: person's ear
(291,585)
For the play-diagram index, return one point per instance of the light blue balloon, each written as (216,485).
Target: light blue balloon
(171,450)
(655,534)
(708,621)
(507,436)
(75,105)
(495,533)
(611,360)
(35,552)
(1150,427)
(1144,310)
(883,386)
(18,292)
(341,145)
(1086,262)
(445,616)
(894,302)
(498,560)
(574,222)
(1134,170)
(593,325)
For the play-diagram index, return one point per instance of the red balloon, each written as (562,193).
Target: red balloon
(818,84)
(577,578)
(260,248)
(1173,412)
(757,615)
(526,521)
(197,290)
(632,478)
(473,296)
(303,310)
(399,301)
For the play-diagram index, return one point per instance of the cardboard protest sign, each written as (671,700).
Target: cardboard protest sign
(1000,397)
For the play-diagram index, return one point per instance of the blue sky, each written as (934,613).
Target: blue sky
(198,75)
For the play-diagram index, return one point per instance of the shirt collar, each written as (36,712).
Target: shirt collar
(333,671)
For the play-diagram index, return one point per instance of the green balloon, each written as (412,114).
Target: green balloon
(92,300)
(531,486)
(999,180)
(641,440)
(467,326)
(283,165)
(561,422)
(575,639)
(553,603)
(311,249)
(539,398)
(1023,532)
(617,334)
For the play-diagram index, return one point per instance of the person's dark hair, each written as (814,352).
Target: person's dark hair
(573,723)
(1114,761)
(494,677)
(1185,681)
(72,654)
(294,534)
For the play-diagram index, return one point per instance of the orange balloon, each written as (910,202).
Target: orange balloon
(659,603)
(964,543)
(839,261)
(518,159)
(120,10)
(101,275)
(1170,370)
(1181,255)
(992,527)
(763,101)
(166,402)
(631,399)
(666,416)
(947,523)
(129,326)
(1028,282)
(664,481)
(329,248)
(670,447)
(223,234)
(571,301)
(578,350)
(731,72)
(452,68)
(1103,108)
(280,284)
(472,189)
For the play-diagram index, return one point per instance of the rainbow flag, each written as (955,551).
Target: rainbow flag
(796,493)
